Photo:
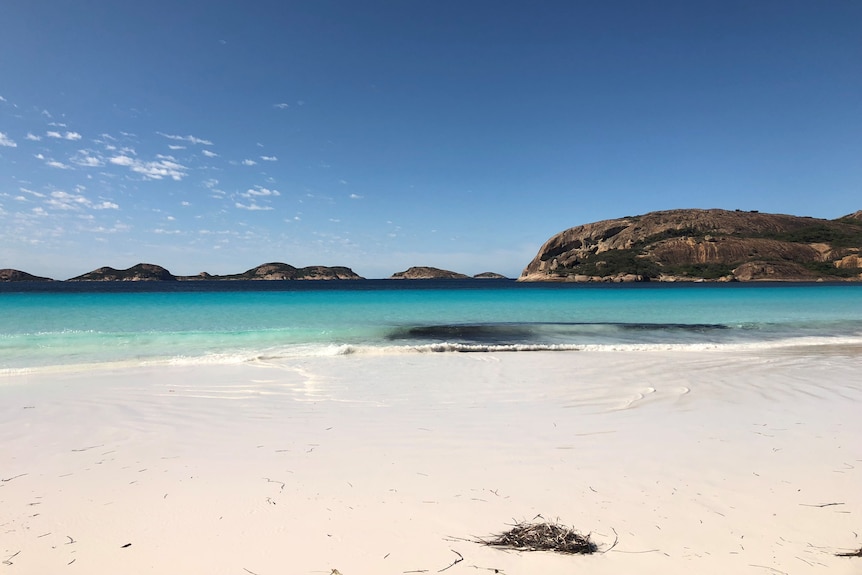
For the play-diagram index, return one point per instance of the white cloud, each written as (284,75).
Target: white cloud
(87,161)
(248,162)
(260,192)
(189,139)
(176,147)
(66,201)
(164,168)
(61,200)
(253,207)
(185,203)
(281,106)
(73,136)
(106,206)
(209,154)
(31,192)
(269,158)
(32,137)
(85,158)
(39,156)
(355,197)
(2,99)
(7,141)
(58,165)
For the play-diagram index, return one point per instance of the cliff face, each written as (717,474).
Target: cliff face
(703,244)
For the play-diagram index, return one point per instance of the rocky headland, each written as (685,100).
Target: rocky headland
(703,245)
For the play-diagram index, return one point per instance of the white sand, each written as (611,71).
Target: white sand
(707,463)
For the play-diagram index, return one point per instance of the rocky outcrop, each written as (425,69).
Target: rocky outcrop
(10,275)
(136,273)
(427,273)
(692,245)
(489,276)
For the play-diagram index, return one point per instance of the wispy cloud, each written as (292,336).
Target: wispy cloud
(253,207)
(163,168)
(189,139)
(269,158)
(32,193)
(209,154)
(281,106)
(248,163)
(355,197)
(72,136)
(61,200)
(58,165)
(176,147)
(86,160)
(32,137)
(260,191)
(7,141)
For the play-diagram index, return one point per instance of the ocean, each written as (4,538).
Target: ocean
(63,325)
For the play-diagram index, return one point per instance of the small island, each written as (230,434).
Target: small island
(431,273)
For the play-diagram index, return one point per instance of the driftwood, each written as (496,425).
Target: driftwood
(543,537)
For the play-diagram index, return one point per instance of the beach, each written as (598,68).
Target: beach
(673,461)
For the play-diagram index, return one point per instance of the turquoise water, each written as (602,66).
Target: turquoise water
(71,324)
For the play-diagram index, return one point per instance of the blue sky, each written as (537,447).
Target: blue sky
(216,136)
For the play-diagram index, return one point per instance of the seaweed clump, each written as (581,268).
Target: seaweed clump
(857,553)
(544,537)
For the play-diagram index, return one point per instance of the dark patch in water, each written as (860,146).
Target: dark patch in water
(513,333)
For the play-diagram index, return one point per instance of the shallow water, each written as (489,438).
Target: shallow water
(62,324)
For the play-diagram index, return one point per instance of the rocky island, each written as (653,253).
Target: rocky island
(10,275)
(701,245)
(429,273)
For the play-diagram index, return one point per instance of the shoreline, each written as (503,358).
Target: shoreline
(712,462)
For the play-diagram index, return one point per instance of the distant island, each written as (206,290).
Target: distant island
(703,245)
(428,273)
(9,275)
